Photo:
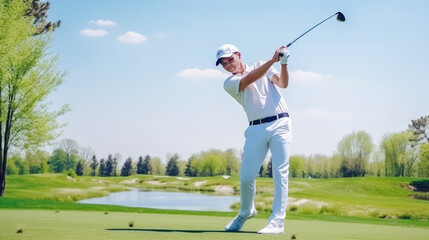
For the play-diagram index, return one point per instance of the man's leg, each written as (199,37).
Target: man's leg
(280,153)
(255,150)
(280,150)
(254,153)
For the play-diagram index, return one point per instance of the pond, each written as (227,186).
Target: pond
(167,200)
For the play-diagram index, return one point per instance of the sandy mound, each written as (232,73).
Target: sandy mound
(302,201)
(132,181)
(224,189)
(154,183)
(200,183)
(71,179)
(182,178)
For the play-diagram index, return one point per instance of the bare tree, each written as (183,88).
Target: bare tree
(70,147)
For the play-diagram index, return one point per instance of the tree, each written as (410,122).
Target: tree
(27,76)
(269,172)
(110,166)
(420,128)
(213,164)
(79,168)
(127,167)
(147,167)
(188,170)
(58,161)
(86,153)
(158,166)
(399,153)
(355,150)
(424,160)
(172,166)
(296,166)
(71,148)
(140,166)
(37,10)
(102,169)
(261,171)
(37,161)
(93,165)
(232,162)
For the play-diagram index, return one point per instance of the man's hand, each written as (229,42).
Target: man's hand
(284,55)
(276,56)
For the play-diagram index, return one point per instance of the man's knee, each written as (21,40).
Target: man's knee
(246,179)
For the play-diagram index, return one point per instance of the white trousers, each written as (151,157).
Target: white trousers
(275,136)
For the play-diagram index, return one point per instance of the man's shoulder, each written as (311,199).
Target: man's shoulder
(257,64)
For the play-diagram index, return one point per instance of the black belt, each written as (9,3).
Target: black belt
(268,119)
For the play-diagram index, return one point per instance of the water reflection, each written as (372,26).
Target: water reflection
(167,200)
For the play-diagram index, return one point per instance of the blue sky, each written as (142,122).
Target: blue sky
(142,79)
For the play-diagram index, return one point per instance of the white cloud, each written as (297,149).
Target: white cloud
(195,73)
(132,37)
(93,32)
(101,22)
(308,77)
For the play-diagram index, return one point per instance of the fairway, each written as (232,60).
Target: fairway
(46,224)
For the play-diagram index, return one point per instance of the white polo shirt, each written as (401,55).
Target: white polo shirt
(261,98)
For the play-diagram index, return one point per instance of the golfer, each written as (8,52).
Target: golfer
(256,89)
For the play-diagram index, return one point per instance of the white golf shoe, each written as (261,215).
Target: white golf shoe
(237,223)
(272,228)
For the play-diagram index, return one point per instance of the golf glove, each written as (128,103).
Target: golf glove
(284,55)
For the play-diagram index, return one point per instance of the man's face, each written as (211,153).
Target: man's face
(231,64)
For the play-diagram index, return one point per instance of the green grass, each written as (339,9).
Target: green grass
(364,198)
(43,207)
(44,224)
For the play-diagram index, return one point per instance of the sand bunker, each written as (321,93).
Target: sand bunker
(200,183)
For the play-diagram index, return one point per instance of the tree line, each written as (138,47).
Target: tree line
(402,154)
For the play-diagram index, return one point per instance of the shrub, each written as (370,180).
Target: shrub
(421,195)
(405,216)
(421,185)
(293,208)
(71,173)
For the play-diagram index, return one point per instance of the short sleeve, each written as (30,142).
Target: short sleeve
(271,72)
(232,86)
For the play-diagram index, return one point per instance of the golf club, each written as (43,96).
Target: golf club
(340,18)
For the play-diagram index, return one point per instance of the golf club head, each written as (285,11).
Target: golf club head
(341,17)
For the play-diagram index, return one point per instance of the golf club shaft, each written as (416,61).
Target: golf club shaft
(310,30)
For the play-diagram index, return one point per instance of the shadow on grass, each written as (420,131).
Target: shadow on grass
(173,230)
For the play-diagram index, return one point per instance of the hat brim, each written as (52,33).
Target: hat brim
(223,56)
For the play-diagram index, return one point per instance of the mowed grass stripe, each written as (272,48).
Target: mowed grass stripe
(43,224)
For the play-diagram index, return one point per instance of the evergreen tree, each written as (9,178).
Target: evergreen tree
(114,166)
(93,165)
(102,170)
(127,167)
(261,171)
(172,166)
(109,166)
(188,171)
(269,172)
(37,10)
(140,166)
(147,166)
(79,168)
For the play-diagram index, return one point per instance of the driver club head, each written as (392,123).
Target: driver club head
(341,17)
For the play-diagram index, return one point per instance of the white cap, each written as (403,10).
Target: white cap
(225,50)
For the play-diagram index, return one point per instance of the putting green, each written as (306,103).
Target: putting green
(42,224)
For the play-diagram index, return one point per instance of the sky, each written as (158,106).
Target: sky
(141,75)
